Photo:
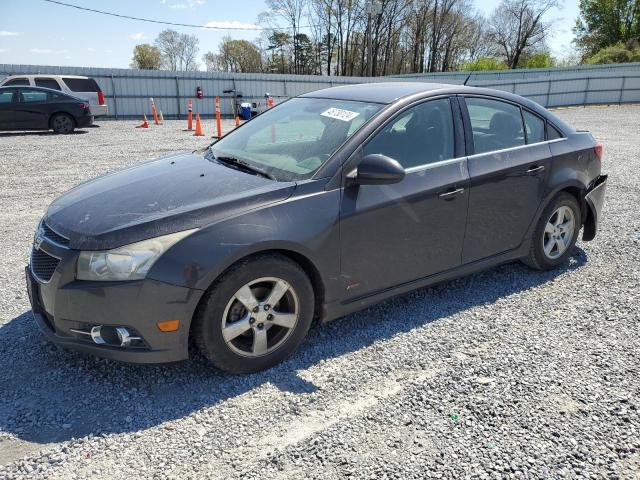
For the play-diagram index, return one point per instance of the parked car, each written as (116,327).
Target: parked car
(85,88)
(326,204)
(34,108)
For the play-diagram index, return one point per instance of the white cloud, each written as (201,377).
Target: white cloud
(231,24)
(188,4)
(137,36)
(48,51)
(2,50)
(91,49)
(4,33)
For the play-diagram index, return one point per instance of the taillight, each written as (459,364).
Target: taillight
(598,151)
(100,97)
(84,105)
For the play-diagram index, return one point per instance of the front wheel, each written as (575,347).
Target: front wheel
(556,233)
(62,123)
(255,315)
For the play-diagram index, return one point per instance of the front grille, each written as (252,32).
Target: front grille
(54,236)
(43,265)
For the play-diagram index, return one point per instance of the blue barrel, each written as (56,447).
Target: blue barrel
(245,111)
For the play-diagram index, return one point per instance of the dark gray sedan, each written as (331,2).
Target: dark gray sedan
(321,206)
(37,108)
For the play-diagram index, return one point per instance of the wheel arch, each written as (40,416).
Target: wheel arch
(300,259)
(58,112)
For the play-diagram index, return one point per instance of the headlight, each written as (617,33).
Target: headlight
(131,262)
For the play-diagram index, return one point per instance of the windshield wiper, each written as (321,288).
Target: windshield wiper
(244,165)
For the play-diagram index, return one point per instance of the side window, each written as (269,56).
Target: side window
(16,81)
(81,84)
(47,83)
(534,126)
(6,96)
(30,96)
(423,134)
(495,125)
(553,133)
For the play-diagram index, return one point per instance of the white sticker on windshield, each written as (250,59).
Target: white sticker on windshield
(340,114)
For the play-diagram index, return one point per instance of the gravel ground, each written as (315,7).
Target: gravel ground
(510,373)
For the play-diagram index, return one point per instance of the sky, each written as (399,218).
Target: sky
(41,33)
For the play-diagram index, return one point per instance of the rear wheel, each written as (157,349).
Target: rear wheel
(62,123)
(256,315)
(556,233)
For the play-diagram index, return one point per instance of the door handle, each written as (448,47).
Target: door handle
(535,169)
(449,194)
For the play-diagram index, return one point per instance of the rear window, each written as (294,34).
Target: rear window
(81,84)
(47,83)
(16,81)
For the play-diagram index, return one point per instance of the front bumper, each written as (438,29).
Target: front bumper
(595,202)
(63,304)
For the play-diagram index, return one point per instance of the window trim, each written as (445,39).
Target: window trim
(459,154)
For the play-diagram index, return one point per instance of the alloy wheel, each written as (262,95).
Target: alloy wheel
(62,124)
(558,232)
(260,317)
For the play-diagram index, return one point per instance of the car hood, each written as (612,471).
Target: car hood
(169,194)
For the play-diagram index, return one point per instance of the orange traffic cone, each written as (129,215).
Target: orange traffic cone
(198,132)
(237,121)
(144,123)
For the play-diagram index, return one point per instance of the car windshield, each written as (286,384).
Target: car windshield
(294,139)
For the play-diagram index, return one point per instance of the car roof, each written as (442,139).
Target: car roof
(390,92)
(47,75)
(43,89)
(383,92)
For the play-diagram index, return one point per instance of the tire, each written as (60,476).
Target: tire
(257,335)
(552,244)
(63,123)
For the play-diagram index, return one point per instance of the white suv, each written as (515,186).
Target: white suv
(82,87)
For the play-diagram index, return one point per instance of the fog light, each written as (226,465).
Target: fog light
(169,325)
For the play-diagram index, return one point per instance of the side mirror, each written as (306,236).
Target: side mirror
(377,169)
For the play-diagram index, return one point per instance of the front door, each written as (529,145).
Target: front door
(7,108)
(507,171)
(391,234)
(32,109)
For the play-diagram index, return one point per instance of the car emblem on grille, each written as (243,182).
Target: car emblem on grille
(39,238)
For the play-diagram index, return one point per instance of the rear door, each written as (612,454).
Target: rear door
(508,166)
(391,234)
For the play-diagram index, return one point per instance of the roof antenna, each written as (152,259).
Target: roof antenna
(467,79)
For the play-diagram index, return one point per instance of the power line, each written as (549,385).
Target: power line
(139,19)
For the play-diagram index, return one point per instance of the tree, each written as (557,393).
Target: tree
(516,28)
(603,23)
(279,41)
(146,57)
(179,51)
(234,56)
(291,12)
(618,53)
(484,63)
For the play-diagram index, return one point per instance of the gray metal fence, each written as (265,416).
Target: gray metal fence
(127,91)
